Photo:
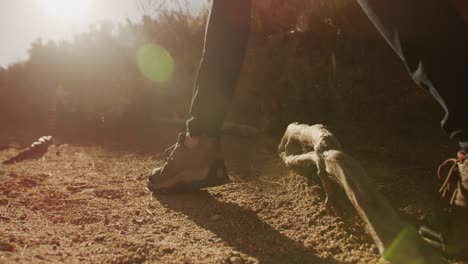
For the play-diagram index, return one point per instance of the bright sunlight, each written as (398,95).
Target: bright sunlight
(66,9)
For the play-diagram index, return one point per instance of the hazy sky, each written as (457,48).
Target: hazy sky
(23,21)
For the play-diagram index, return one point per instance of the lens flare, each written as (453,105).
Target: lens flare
(155,62)
(409,247)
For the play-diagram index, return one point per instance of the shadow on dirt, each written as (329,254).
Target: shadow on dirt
(241,228)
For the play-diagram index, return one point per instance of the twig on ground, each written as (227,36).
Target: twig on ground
(36,150)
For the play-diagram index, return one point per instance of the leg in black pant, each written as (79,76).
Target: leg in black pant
(196,160)
(432,40)
(225,42)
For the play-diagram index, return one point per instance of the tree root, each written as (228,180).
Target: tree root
(316,148)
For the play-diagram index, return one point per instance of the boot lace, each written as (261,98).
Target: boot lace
(451,181)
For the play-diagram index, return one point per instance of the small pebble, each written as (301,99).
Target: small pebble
(236,260)
(100,238)
(215,217)
(138,220)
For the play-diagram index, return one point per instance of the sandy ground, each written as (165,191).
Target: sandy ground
(88,203)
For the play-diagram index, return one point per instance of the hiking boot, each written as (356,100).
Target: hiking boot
(189,169)
(446,227)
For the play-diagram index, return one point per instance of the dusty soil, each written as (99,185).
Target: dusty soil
(87,202)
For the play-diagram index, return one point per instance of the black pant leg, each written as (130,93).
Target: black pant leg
(432,40)
(226,39)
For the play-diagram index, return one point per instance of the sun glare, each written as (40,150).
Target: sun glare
(66,9)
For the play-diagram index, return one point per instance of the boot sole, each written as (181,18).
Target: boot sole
(216,175)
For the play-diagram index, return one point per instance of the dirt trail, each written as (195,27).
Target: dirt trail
(89,204)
